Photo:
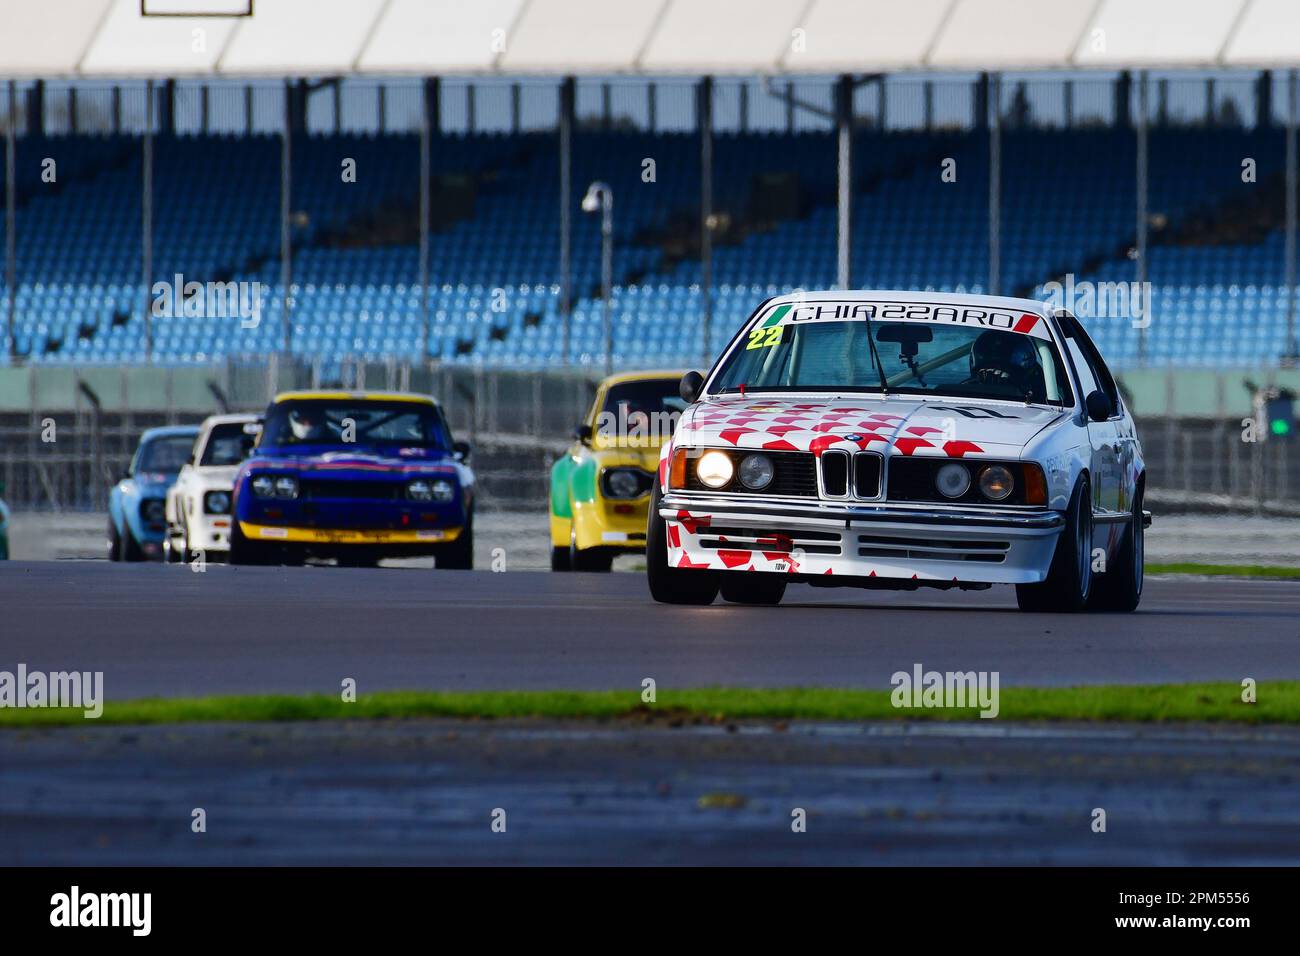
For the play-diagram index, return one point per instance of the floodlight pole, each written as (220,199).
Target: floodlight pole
(286,187)
(994,106)
(428,92)
(1142,217)
(1292,354)
(705,113)
(146,221)
(844,117)
(566,214)
(11,225)
(601,197)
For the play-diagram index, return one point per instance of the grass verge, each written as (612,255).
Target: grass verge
(1226,570)
(1279,702)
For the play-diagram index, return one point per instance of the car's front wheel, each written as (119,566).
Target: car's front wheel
(560,559)
(1120,588)
(128,549)
(670,585)
(243,551)
(459,555)
(1069,580)
(753,587)
(588,559)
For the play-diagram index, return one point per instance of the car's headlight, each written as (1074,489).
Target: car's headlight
(419,490)
(623,483)
(996,482)
(952,480)
(443,491)
(216,502)
(286,486)
(263,486)
(756,472)
(714,469)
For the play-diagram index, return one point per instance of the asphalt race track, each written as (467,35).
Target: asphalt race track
(159,630)
(617,793)
(635,790)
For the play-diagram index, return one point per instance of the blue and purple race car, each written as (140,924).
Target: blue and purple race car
(357,477)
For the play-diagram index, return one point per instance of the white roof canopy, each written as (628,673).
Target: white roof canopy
(1160,33)
(1010,34)
(47,39)
(161,38)
(294,37)
(609,39)
(173,45)
(439,36)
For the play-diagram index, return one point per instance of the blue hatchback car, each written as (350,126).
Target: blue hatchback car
(137,515)
(354,476)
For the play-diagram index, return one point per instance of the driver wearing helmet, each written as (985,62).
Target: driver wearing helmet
(307,424)
(1008,362)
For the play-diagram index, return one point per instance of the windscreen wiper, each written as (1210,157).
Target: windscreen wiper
(880,366)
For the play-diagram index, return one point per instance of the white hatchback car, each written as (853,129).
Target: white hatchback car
(198,503)
(900,440)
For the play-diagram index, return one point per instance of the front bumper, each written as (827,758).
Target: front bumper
(209,532)
(614,524)
(382,536)
(923,543)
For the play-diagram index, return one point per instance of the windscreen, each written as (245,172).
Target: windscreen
(356,422)
(165,455)
(646,409)
(908,358)
(228,444)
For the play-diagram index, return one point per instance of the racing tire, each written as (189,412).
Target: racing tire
(1120,588)
(189,552)
(243,551)
(752,587)
(125,545)
(1069,579)
(459,555)
(171,555)
(560,559)
(672,585)
(588,559)
(114,542)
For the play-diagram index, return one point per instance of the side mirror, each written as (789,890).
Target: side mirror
(691,385)
(1098,406)
(583,433)
(461,449)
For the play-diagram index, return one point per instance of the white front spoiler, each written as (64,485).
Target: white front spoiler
(894,542)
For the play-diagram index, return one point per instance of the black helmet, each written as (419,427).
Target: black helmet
(1006,356)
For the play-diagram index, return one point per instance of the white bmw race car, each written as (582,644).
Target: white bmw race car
(899,440)
(198,503)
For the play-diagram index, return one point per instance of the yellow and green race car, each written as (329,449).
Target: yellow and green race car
(600,487)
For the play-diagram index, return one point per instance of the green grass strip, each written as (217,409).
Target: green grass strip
(1278,702)
(1227,570)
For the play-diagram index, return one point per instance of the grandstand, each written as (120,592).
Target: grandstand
(215,155)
